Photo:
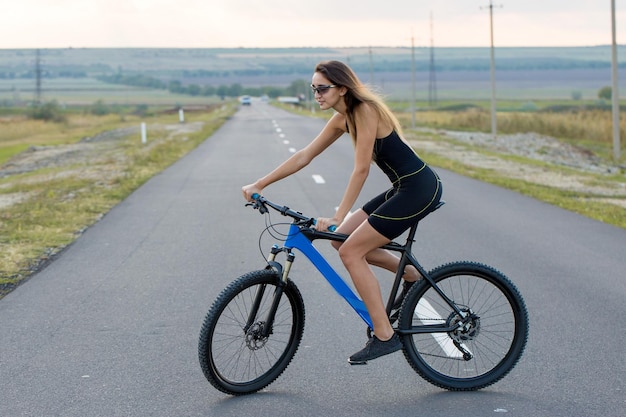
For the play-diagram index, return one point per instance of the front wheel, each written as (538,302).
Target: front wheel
(489,335)
(239,351)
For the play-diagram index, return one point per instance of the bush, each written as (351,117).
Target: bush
(100,108)
(50,111)
(459,107)
(141,110)
(529,106)
(561,108)
(605,93)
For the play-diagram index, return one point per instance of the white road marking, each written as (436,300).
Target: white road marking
(318,179)
(292,150)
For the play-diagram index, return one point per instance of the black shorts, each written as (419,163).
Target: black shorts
(399,208)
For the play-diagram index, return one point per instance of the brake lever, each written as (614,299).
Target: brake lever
(257,206)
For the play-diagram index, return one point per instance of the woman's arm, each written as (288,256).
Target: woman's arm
(367,126)
(329,134)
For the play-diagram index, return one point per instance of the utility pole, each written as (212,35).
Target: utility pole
(432,81)
(412,81)
(371,67)
(493,74)
(37,78)
(615,91)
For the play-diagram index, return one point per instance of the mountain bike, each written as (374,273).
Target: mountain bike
(463,326)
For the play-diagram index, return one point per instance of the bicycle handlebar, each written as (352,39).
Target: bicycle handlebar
(261,203)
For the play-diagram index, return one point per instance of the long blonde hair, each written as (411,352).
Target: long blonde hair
(342,75)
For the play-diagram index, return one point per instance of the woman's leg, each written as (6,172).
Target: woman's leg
(378,257)
(353,253)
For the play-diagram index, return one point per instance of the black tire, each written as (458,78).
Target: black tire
(238,361)
(494,341)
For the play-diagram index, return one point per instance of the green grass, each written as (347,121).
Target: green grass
(86,91)
(63,201)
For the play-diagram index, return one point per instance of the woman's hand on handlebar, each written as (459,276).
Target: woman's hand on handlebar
(325,224)
(250,190)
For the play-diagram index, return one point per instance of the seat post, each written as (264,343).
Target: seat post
(406,251)
(411,237)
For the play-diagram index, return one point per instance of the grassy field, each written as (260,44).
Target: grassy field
(86,91)
(99,60)
(18,133)
(46,207)
(588,129)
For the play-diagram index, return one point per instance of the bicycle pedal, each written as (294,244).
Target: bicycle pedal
(357,362)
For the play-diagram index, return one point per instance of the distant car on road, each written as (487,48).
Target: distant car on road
(245,100)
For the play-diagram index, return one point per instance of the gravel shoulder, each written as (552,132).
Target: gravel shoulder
(550,162)
(84,158)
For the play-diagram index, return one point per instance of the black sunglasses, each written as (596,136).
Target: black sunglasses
(321,89)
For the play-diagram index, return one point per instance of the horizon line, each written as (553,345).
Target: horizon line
(310,47)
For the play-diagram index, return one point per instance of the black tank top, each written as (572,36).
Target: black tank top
(396,158)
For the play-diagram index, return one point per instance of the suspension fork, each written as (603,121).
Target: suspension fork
(278,292)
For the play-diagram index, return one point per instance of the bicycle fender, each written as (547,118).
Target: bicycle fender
(275,266)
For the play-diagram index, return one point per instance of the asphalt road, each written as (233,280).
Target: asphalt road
(110,328)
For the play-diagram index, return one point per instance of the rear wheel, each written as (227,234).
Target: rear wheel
(238,353)
(489,343)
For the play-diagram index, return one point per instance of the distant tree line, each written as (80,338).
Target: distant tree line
(381,64)
(177,87)
(304,66)
(68,73)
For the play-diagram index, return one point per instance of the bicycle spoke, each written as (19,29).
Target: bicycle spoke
(484,338)
(235,355)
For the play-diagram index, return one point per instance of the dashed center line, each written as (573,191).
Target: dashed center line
(286,141)
(318,179)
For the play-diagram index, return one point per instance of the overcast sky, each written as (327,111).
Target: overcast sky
(295,23)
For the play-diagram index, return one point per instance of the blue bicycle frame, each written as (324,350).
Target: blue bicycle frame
(301,237)
(297,240)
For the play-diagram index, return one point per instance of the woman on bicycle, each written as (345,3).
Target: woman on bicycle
(415,189)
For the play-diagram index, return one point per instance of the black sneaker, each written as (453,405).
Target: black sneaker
(375,348)
(406,286)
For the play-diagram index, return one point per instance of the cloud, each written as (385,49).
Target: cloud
(285,23)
